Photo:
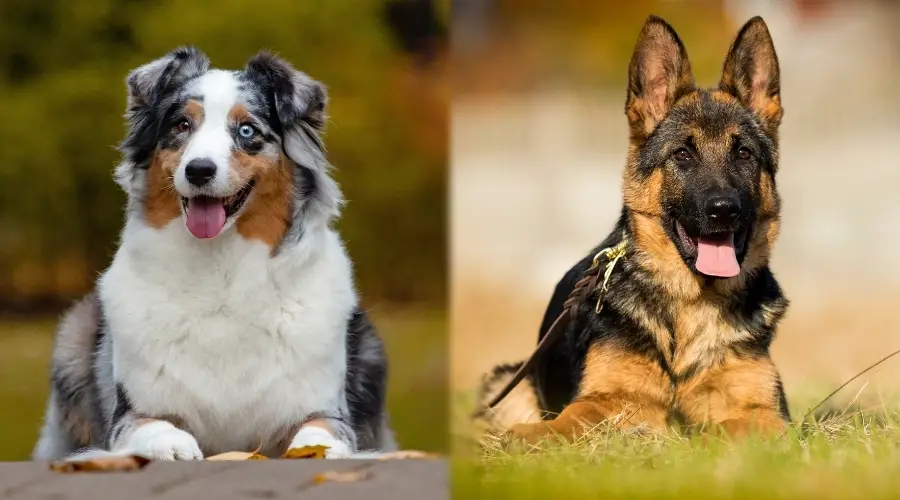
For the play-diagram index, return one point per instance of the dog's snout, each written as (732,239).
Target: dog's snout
(200,171)
(723,209)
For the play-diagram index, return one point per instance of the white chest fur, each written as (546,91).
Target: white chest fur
(235,342)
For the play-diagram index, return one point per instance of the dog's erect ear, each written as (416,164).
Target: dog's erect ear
(751,74)
(297,97)
(659,73)
(154,80)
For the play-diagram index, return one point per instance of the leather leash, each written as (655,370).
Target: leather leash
(583,288)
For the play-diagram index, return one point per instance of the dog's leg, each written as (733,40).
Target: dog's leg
(754,421)
(741,397)
(157,438)
(333,432)
(60,435)
(625,388)
(365,386)
(622,411)
(153,438)
(71,419)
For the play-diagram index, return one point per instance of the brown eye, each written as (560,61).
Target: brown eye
(682,156)
(182,126)
(743,153)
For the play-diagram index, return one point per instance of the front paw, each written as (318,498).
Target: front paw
(162,441)
(746,428)
(530,434)
(316,436)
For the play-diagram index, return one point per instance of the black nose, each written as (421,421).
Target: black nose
(723,208)
(199,171)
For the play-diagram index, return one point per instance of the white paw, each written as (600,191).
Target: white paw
(163,441)
(316,436)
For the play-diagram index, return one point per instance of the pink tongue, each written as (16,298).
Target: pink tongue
(205,217)
(717,257)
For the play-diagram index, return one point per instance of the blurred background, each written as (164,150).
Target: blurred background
(62,92)
(538,147)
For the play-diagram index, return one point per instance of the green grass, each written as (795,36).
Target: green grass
(416,342)
(417,387)
(24,382)
(848,454)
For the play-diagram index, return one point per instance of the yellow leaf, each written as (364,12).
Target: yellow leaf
(315,452)
(238,455)
(334,476)
(103,464)
(408,455)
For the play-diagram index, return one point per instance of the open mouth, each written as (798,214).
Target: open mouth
(716,254)
(206,215)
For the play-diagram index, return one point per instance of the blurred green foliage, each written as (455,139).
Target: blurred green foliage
(586,45)
(62,70)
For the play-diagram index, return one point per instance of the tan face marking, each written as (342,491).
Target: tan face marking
(194,111)
(162,203)
(723,97)
(656,252)
(239,114)
(643,195)
(267,214)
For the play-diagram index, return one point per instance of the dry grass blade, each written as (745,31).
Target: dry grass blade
(845,384)
(309,452)
(333,476)
(101,464)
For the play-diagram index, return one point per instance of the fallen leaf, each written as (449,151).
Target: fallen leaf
(102,464)
(334,476)
(314,452)
(238,455)
(408,455)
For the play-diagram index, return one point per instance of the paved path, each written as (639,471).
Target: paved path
(388,480)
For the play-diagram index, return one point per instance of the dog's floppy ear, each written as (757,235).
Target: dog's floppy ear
(299,103)
(150,83)
(297,97)
(659,73)
(149,88)
(751,74)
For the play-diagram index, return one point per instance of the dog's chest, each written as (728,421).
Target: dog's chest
(702,335)
(238,355)
(698,334)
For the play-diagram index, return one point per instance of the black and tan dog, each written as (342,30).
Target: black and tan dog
(691,310)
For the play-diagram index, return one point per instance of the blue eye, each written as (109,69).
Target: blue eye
(247,131)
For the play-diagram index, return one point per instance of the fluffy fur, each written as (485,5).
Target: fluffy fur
(246,337)
(673,345)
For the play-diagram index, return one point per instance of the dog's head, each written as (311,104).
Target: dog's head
(217,148)
(700,181)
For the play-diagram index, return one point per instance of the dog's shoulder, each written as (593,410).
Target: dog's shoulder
(558,372)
